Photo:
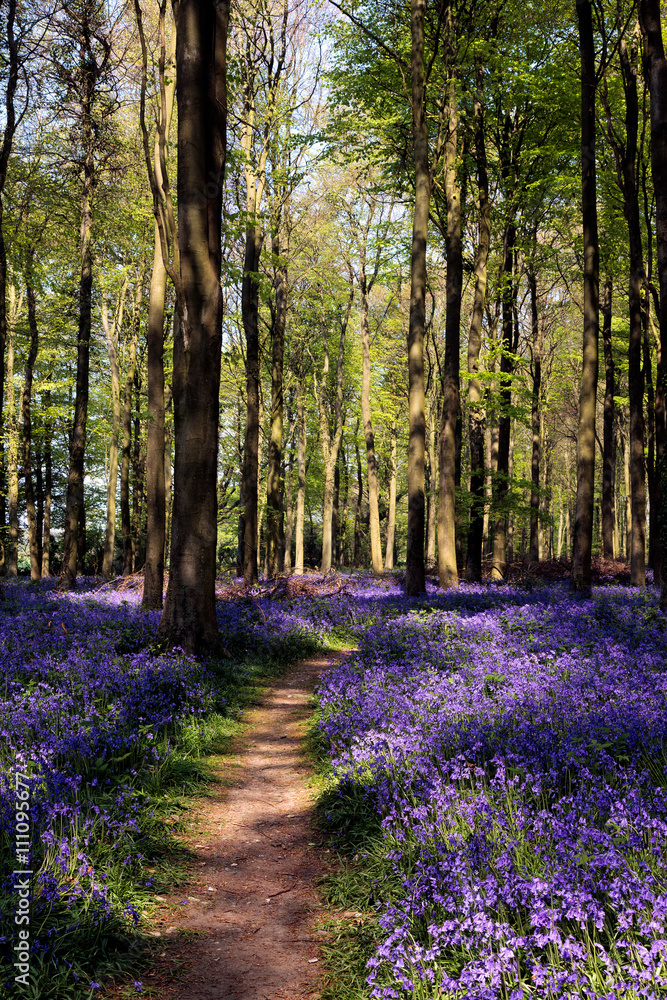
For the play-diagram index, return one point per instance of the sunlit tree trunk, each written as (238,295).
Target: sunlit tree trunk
(451,404)
(373,503)
(501,482)
(391,517)
(13,313)
(33,540)
(415,582)
(48,485)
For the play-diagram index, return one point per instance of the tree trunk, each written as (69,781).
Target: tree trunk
(48,485)
(274,500)
(78,439)
(35,572)
(373,498)
(126,453)
(608,457)
(112,334)
(156,525)
(451,403)
(15,306)
(391,517)
(415,582)
(431,485)
(534,550)
(583,528)
(501,481)
(11,68)
(289,520)
(475,410)
(249,307)
(656,71)
(301,473)
(188,618)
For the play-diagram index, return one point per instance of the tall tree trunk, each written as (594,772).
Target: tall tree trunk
(188,617)
(289,519)
(48,486)
(356,559)
(301,475)
(451,403)
(12,71)
(249,308)
(534,550)
(112,334)
(126,453)
(656,71)
(415,582)
(608,457)
(274,500)
(156,526)
(33,541)
(15,306)
(373,498)
(475,409)
(74,498)
(653,547)
(583,528)
(501,482)
(431,484)
(391,517)
(627,178)
(138,474)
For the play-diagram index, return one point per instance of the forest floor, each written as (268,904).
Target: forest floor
(246,924)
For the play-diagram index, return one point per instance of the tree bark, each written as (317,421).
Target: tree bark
(112,334)
(48,485)
(188,618)
(274,500)
(608,457)
(451,403)
(373,497)
(249,308)
(12,71)
(583,528)
(301,475)
(475,395)
(391,517)
(502,477)
(126,452)
(534,549)
(88,72)
(415,582)
(33,539)
(15,306)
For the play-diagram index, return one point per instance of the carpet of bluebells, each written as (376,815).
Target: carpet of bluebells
(514,745)
(90,710)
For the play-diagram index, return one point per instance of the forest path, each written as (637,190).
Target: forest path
(244,928)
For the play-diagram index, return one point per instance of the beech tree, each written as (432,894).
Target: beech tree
(188,618)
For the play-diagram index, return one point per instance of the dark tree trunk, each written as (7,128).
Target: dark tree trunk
(583,528)
(415,582)
(656,71)
(78,439)
(188,618)
(274,478)
(608,450)
(534,549)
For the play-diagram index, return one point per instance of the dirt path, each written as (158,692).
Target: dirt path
(246,927)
